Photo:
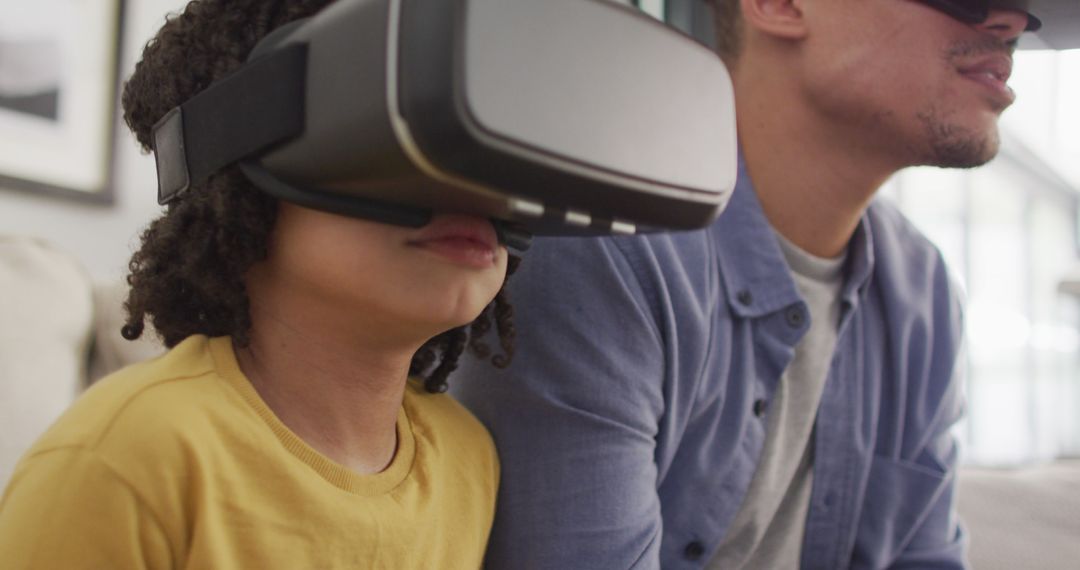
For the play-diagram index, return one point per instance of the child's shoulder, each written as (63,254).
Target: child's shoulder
(437,408)
(139,405)
(444,422)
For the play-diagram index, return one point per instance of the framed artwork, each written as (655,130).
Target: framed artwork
(58,76)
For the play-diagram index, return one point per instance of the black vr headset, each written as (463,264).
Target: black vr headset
(977,11)
(566,117)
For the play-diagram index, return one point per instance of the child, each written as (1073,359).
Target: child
(281,430)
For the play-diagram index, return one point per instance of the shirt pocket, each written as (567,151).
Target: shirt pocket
(899,496)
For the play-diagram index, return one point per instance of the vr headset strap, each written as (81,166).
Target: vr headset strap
(258,106)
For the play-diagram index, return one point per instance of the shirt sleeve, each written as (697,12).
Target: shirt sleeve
(575,417)
(66,508)
(939,541)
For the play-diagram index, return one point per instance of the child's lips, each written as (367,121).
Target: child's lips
(460,250)
(467,240)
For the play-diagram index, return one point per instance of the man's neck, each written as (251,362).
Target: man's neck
(814,183)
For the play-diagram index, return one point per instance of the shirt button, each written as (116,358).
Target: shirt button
(794,317)
(694,551)
(760,406)
(744,297)
(830,499)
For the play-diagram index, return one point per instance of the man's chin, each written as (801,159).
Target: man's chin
(955,146)
(971,155)
(962,156)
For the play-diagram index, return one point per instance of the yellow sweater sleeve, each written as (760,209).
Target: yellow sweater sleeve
(65,508)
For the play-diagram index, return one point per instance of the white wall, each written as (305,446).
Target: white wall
(102,237)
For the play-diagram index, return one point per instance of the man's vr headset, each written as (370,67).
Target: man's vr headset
(977,11)
(570,117)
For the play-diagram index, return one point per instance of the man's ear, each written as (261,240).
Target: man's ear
(780,18)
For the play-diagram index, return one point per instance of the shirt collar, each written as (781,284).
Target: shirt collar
(756,277)
(860,261)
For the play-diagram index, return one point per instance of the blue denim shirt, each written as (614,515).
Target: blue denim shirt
(632,418)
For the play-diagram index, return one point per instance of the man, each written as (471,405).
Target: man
(777,390)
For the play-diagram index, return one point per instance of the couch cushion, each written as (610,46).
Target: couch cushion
(46,312)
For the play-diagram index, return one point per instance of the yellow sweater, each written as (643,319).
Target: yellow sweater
(177,463)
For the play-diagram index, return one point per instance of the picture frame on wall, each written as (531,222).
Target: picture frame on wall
(58,75)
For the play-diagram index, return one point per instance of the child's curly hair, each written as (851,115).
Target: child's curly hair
(188,274)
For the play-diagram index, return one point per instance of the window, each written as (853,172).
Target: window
(1009,233)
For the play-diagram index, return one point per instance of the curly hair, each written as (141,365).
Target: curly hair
(188,275)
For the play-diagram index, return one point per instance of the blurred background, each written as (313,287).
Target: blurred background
(72,176)
(97,216)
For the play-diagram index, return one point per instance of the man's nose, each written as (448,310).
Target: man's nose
(1005,24)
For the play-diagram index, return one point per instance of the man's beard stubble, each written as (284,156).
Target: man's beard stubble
(952,146)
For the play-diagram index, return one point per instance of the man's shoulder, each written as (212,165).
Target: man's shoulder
(911,275)
(660,247)
(905,258)
(894,233)
(643,257)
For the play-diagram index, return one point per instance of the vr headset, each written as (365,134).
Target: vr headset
(977,11)
(695,17)
(556,117)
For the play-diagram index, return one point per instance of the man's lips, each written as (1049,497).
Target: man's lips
(993,73)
